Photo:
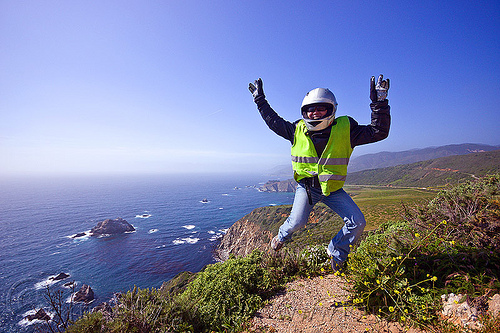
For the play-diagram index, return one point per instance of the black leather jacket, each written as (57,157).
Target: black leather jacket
(360,134)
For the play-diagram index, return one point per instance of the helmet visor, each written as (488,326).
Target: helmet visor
(313,110)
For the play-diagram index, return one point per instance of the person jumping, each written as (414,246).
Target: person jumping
(321,147)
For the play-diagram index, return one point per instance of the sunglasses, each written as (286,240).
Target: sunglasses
(316,108)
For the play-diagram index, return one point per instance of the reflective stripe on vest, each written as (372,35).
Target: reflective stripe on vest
(331,167)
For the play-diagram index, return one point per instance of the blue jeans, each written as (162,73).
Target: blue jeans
(342,204)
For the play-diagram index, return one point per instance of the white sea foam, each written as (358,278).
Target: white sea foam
(189,226)
(215,237)
(221,208)
(161,246)
(211,232)
(46,283)
(188,240)
(152,231)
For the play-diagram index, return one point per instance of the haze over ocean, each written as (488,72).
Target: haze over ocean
(39,216)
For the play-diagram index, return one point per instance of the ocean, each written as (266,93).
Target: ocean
(176,230)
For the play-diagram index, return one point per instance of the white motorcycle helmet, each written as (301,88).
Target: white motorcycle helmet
(322,96)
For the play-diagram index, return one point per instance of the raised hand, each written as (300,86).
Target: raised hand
(378,92)
(256,88)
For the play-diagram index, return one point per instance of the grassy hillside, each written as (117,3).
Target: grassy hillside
(436,172)
(383,204)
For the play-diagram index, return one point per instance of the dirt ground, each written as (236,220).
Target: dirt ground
(318,305)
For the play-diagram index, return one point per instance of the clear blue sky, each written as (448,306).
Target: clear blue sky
(161,86)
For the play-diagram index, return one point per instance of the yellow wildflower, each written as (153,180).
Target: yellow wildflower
(391,309)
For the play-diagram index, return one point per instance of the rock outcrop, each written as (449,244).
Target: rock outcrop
(39,315)
(60,276)
(111,227)
(84,295)
(104,308)
(242,238)
(494,305)
(461,310)
(289,185)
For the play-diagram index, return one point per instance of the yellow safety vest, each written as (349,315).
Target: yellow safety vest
(331,167)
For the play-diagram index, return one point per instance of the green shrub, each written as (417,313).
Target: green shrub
(145,310)
(225,295)
(88,323)
(401,270)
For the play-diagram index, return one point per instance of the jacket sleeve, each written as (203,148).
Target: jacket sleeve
(377,130)
(278,125)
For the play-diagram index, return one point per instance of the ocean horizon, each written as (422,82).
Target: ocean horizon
(178,220)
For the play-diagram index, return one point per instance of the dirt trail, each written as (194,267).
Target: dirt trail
(318,305)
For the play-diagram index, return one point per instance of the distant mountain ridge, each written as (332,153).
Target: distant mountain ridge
(388,159)
(434,172)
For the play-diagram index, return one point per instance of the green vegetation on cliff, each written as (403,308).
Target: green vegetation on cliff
(449,245)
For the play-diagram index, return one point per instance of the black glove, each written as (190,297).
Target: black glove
(256,88)
(379,91)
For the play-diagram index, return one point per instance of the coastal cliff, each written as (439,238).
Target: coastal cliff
(256,229)
(289,185)
(242,238)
